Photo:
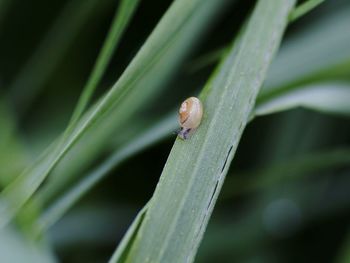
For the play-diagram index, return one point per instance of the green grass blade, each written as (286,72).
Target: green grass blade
(193,175)
(15,248)
(13,156)
(343,256)
(331,98)
(120,22)
(147,137)
(292,169)
(120,253)
(323,54)
(172,39)
(207,59)
(13,159)
(39,67)
(303,9)
(4,6)
(315,202)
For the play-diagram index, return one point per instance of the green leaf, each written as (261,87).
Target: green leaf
(146,138)
(331,98)
(172,39)
(193,175)
(344,251)
(121,19)
(292,169)
(40,66)
(120,253)
(13,156)
(303,9)
(14,248)
(309,56)
(253,229)
(4,7)
(207,59)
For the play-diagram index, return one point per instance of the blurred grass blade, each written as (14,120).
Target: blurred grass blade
(310,56)
(120,22)
(37,70)
(14,248)
(250,232)
(331,98)
(120,253)
(292,169)
(171,40)
(343,255)
(303,9)
(207,59)
(146,138)
(4,7)
(13,159)
(193,175)
(13,156)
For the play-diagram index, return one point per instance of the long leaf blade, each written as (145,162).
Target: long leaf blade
(324,97)
(193,175)
(120,21)
(146,138)
(42,63)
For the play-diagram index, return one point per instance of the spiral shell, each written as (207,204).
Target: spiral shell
(190,116)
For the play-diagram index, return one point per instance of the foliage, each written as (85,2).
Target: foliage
(89,91)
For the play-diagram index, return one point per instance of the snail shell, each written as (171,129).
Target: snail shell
(190,116)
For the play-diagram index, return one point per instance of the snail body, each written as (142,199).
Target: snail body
(190,116)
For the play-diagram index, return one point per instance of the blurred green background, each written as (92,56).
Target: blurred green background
(287,195)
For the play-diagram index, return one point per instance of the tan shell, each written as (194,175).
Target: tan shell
(190,113)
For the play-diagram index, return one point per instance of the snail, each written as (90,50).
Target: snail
(190,116)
